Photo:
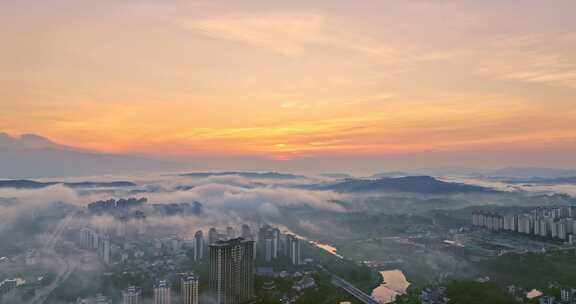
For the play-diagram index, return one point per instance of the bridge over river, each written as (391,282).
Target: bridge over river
(352,290)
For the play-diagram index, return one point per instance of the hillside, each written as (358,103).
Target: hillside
(409,184)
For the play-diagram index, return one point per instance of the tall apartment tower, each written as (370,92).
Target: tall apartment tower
(268,245)
(268,242)
(198,246)
(105,248)
(132,295)
(293,249)
(88,238)
(246,233)
(275,242)
(162,292)
(190,289)
(231,279)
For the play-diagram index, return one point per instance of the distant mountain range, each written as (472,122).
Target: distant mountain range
(32,156)
(30,141)
(532,172)
(543,181)
(336,175)
(508,172)
(263,175)
(30,184)
(407,184)
(389,174)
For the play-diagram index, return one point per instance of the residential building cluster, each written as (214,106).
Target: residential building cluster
(567,296)
(231,255)
(7,289)
(437,295)
(116,204)
(433,295)
(187,291)
(92,240)
(549,222)
(273,245)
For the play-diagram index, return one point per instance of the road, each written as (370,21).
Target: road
(65,266)
(352,290)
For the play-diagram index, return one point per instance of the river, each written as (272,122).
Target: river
(394,284)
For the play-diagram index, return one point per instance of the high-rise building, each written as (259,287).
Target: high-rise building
(509,223)
(162,292)
(537,227)
(268,245)
(562,230)
(105,249)
(132,295)
(231,278)
(544,227)
(546,300)
(7,287)
(250,237)
(88,238)
(212,236)
(268,242)
(525,224)
(554,229)
(189,289)
(275,242)
(293,249)
(198,246)
(565,295)
(122,226)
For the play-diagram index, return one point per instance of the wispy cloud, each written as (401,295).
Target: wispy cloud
(532,58)
(552,77)
(286,34)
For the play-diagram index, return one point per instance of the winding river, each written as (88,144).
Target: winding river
(394,284)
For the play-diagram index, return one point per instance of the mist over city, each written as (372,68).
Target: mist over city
(287,152)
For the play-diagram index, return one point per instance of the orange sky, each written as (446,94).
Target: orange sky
(290,80)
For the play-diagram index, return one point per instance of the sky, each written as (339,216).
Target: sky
(415,83)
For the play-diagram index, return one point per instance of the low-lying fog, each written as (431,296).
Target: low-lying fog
(358,223)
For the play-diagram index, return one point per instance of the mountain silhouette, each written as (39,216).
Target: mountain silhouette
(31,156)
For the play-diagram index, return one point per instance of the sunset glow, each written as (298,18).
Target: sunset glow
(290,80)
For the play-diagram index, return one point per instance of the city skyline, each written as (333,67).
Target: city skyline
(288,152)
(405,83)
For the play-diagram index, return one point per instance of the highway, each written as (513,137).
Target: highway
(65,267)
